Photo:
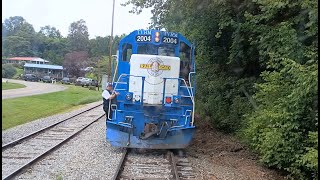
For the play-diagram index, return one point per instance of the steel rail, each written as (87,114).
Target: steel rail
(125,154)
(174,166)
(10,144)
(120,165)
(16,172)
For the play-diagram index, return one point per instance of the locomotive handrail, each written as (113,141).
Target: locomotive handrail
(191,95)
(185,122)
(190,80)
(116,69)
(115,87)
(115,110)
(124,75)
(188,89)
(193,107)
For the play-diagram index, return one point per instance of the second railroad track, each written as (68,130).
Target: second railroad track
(23,152)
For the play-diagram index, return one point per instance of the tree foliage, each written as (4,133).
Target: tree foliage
(78,37)
(284,127)
(263,48)
(75,62)
(18,36)
(8,71)
(20,39)
(50,32)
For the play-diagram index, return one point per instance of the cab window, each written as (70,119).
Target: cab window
(156,50)
(126,52)
(185,60)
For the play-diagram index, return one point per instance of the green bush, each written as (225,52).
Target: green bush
(20,66)
(283,130)
(8,71)
(222,98)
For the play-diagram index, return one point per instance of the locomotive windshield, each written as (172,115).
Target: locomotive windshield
(163,50)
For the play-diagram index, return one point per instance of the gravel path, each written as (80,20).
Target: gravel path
(32,88)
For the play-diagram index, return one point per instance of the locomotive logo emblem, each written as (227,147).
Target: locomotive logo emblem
(155,67)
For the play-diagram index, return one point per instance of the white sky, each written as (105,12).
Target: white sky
(61,13)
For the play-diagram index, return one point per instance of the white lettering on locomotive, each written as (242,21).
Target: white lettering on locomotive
(142,32)
(171,34)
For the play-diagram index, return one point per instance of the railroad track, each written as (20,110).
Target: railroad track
(23,152)
(153,164)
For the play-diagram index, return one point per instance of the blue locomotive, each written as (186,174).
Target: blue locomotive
(155,76)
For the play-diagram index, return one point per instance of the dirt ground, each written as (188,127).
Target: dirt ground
(218,156)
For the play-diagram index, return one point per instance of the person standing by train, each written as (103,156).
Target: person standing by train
(108,96)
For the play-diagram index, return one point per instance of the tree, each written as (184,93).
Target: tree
(13,24)
(19,37)
(16,46)
(78,37)
(99,46)
(50,32)
(75,61)
(8,71)
(272,44)
(51,45)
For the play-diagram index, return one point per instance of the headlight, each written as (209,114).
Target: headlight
(176,100)
(137,98)
(168,100)
(128,96)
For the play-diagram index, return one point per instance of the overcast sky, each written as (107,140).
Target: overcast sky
(61,13)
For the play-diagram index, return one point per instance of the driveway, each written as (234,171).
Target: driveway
(32,88)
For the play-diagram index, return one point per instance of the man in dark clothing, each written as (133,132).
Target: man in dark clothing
(108,95)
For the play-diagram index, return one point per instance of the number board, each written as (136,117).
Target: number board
(143,38)
(170,40)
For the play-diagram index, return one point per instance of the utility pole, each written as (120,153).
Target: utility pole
(110,44)
(99,73)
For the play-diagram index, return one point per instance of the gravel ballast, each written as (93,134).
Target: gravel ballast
(86,156)
(90,156)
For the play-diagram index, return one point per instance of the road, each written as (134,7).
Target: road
(32,88)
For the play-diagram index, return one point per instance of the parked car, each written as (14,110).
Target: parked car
(89,82)
(31,77)
(85,82)
(94,83)
(46,79)
(78,81)
(65,80)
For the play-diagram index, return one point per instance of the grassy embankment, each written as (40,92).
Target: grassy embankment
(8,85)
(25,109)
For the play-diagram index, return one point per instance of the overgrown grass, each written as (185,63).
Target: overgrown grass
(8,85)
(25,109)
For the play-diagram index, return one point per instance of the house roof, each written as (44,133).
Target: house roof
(44,66)
(27,59)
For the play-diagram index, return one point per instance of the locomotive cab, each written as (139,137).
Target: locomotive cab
(155,76)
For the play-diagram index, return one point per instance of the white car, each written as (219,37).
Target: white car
(78,81)
(85,81)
